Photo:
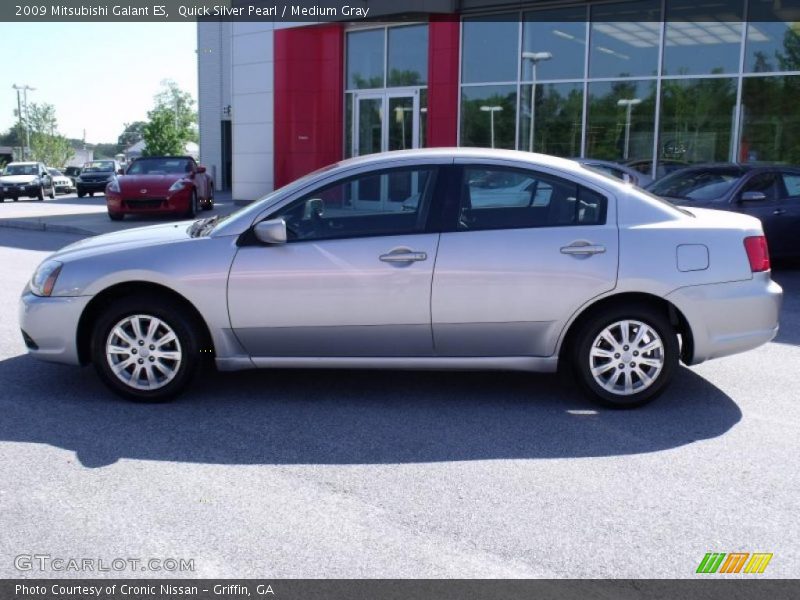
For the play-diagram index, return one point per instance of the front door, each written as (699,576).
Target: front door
(353,280)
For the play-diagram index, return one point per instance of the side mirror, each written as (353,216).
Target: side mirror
(272,231)
(201,169)
(120,171)
(753,197)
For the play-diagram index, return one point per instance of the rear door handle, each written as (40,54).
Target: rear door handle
(401,257)
(583,249)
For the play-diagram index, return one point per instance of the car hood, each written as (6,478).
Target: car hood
(153,184)
(17,178)
(96,175)
(129,239)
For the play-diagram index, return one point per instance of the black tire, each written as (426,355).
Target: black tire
(116,216)
(175,317)
(52,192)
(40,194)
(91,194)
(621,367)
(81,194)
(192,211)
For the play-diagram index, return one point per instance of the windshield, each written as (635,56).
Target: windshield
(160,166)
(98,166)
(55,172)
(697,184)
(22,170)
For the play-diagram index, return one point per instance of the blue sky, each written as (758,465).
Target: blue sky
(97,75)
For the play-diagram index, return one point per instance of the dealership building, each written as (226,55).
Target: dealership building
(652,83)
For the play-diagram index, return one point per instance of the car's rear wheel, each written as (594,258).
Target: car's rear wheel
(146,349)
(626,356)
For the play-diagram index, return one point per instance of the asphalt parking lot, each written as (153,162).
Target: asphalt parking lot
(393,474)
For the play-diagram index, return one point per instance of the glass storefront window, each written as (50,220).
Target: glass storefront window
(555,42)
(408,56)
(770,119)
(625,39)
(698,43)
(365,64)
(773,39)
(621,122)
(697,119)
(489,116)
(556,118)
(490,48)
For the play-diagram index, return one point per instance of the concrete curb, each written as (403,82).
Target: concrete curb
(42,226)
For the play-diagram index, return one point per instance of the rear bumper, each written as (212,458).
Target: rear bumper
(50,326)
(728,318)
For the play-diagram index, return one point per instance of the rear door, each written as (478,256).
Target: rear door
(768,210)
(509,273)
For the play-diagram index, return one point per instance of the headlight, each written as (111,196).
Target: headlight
(178,185)
(44,279)
(113,186)
(34,181)
(78,178)
(112,177)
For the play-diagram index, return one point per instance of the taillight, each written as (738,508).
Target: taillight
(757,253)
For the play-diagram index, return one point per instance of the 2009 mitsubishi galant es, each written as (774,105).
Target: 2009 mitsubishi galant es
(424,259)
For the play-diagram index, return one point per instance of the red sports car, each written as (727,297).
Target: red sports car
(160,184)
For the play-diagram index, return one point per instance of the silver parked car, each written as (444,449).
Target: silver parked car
(424,259)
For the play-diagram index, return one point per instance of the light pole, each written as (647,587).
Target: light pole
(24,89)
(628,103)
(535,58)
(491,110)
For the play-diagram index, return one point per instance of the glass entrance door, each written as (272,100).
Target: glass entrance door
(387,120)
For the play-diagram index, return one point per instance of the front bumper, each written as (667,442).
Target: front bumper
(92,186)
(18,191)
(50,326)
(176,202)
(732,317)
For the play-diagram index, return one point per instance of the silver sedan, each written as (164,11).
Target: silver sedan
(426,259)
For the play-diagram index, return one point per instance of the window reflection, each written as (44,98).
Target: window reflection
(621,121)
(561,34)
(365,59)
(697,119)
(489,48)
(408,55)
(625,39)
(556,118)
(488,116)
(773,37)
(699,41)
(770,119)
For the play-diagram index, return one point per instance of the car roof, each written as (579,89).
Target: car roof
(27,162)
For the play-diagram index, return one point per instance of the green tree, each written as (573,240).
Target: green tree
(47,145)
(133,132)
(171,123)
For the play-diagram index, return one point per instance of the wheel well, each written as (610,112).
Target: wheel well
(133,288)
(676,318)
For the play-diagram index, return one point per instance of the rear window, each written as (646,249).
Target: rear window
(697,184)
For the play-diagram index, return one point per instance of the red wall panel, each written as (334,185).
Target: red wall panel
(443,45)
(309,97)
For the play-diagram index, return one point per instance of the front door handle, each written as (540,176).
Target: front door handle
(403,256)
(779,211)
(583,249)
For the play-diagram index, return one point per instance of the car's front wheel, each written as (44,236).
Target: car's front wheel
(145,349)
(52,193)
(40,194)
(626,356)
